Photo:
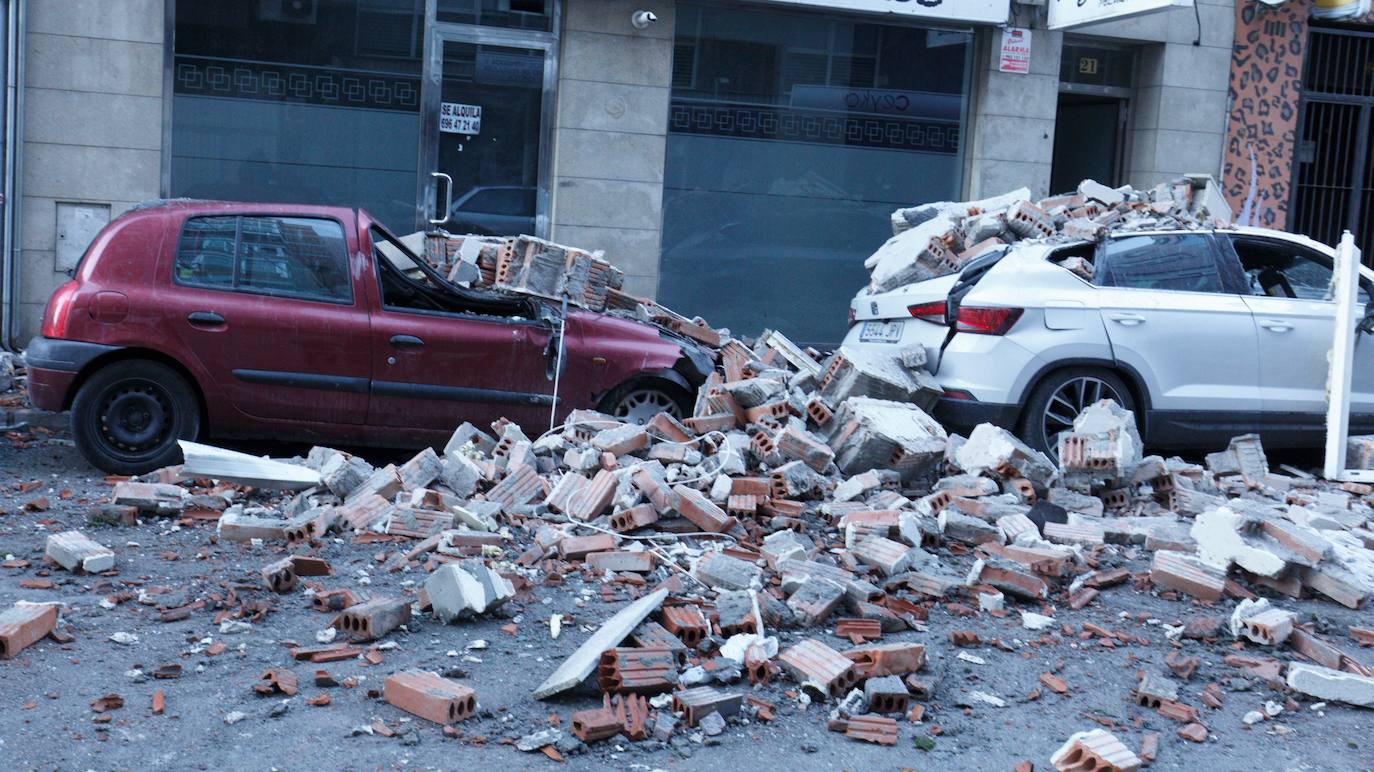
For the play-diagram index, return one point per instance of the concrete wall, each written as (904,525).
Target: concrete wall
(92,126)
(1177,115)
(1013,118)
(611,131)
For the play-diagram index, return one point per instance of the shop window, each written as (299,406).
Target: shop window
(792,137)
(521,14)
(307,101)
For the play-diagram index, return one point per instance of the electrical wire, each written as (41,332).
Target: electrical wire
(558,362)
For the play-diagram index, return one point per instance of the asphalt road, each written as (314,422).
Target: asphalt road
(46,693)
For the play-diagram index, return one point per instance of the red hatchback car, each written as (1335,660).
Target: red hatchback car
(314,323)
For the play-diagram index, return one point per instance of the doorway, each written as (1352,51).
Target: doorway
(1096,84)
(486,132)
(1087,141)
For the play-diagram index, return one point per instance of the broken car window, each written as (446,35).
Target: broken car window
(1160,261)
(407,283)
(1281,269)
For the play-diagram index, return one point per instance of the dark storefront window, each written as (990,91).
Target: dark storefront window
(520,14)
(792,137)
(301,101)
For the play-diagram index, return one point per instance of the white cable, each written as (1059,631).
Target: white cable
(558,363)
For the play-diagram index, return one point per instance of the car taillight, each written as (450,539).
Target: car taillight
(928,312)
(59,309)
(986,321)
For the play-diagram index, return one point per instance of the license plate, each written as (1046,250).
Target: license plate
(881,332)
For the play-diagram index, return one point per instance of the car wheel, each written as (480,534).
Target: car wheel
(127,417)
(1057,401)
(638,403)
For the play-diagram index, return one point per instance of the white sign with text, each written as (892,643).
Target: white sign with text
(455,118)
(1016,51)
(1073,13)
(982,11)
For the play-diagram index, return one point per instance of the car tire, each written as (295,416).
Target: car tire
(639,401)
(1058,399)
(128,416)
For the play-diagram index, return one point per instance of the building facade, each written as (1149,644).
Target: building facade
(737,160)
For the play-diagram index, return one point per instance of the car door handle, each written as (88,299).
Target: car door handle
(1275,325)
(406,341)
(1128,320)
(204,318)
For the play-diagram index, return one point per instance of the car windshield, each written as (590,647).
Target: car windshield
(407,282)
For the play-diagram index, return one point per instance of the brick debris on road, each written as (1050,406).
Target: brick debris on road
(808,564)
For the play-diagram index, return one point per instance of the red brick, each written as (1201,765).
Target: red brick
(374,618)
(280,576)
(1195,732)
(882,659)
(579,547)
(634,518)
(429,696)
(599,724)
(687,623)
(640,671)
(701,701)
(23,625)
(621,560)
(812,660)
(873,729)
(704,514)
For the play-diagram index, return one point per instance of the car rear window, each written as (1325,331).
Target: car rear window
(299,257)
(1181,262)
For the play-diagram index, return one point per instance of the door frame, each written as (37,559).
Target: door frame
(1121,131)
(431,96)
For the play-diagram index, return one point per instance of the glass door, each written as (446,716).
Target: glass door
(487,108)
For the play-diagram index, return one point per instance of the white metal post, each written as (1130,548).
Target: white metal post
(1345,284)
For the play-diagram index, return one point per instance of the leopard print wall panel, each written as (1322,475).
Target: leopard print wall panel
(1266,83)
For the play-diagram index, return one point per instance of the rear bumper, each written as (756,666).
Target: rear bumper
(63,355)
(48,388)
(963,414)
(53,366)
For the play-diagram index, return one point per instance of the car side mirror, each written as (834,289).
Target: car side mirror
(1366,325)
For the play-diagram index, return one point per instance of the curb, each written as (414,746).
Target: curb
(33,417)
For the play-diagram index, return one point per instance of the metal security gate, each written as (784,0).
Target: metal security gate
(1333,180)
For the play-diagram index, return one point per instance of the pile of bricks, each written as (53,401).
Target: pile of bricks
(787,536)
(526,265)
(936,239)
(531,266)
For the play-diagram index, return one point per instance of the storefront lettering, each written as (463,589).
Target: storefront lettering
(877,101)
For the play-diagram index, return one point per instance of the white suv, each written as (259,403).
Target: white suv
(1205,334)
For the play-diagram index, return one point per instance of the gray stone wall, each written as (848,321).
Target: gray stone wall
(1013,117)
(92,130)
(611,131)
(1179,125)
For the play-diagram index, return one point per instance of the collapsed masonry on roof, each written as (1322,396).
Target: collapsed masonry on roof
(936,239)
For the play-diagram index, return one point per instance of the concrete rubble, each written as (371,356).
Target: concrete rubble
(787,548)
(936,239)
